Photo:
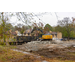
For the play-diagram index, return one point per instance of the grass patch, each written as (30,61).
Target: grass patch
(6,54)
(71,53)
(69,47)
(59,60)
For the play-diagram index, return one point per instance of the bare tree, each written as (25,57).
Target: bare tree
(24,17)
(66,22)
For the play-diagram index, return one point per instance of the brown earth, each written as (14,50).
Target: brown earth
(51,52)
(66,54)
(38,53)
(49,55)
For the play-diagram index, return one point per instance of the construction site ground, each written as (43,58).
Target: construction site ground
(53,51)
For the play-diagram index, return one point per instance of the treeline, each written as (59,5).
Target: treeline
(66,30)
(65,26)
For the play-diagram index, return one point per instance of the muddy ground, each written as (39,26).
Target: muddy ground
(52,50)
(62,54)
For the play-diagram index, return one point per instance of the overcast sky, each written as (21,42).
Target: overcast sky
(50,17)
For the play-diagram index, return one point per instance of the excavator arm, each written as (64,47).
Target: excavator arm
(36,28)
(43,36)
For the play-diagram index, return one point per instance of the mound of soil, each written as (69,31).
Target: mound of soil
(59,50)
(63,54)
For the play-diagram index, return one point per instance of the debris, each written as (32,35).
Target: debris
(43,45)
(50,49)
(73,46)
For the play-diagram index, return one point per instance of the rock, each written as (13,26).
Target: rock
(57,42)
(50,46)
(51,50)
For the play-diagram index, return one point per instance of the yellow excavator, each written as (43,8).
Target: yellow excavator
(47,36)
(43,37)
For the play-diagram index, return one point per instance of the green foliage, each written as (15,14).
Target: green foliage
(72,34)
(8,26)
(58,28)
(4,30)
(4,27)
(2,43)
(65,26)
(48,27)
(64,31)
(69,33)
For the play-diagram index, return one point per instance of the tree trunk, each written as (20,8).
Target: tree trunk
(68,38)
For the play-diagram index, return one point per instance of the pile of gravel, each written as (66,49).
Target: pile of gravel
(42,45)
(39,42)
(35,45)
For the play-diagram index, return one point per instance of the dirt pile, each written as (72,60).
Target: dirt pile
(62,50)
(42,45)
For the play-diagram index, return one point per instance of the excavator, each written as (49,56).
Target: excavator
(22,39)
(43,36)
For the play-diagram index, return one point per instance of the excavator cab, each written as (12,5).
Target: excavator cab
(47,36)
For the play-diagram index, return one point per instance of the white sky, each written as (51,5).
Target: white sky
(49,18)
